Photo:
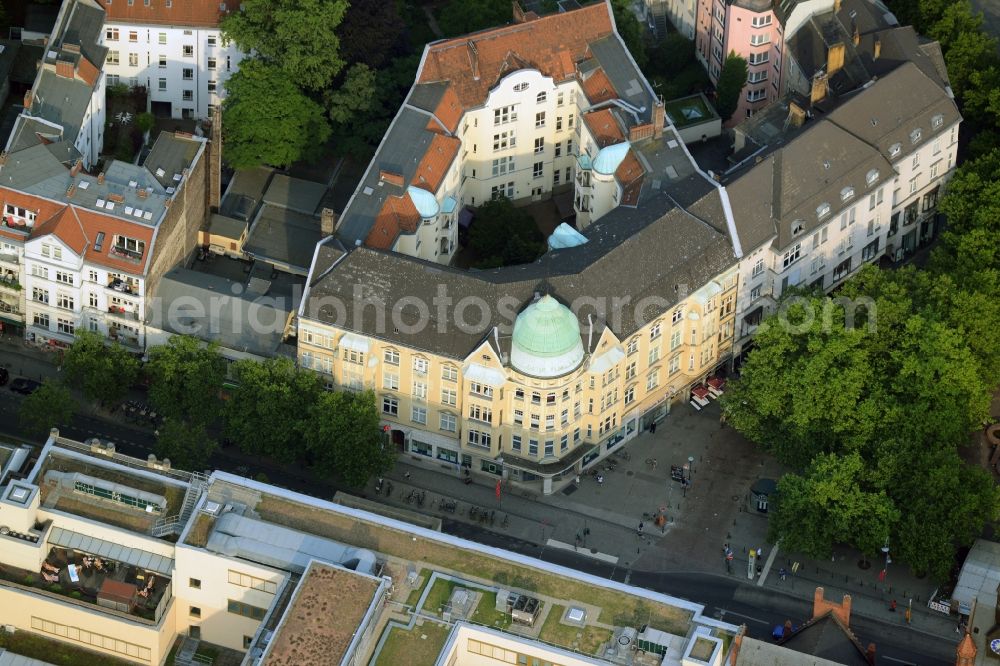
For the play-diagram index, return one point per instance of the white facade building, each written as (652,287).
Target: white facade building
(177,54)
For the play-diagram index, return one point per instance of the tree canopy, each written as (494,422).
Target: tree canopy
(186,445)
(877,412)
(460,17)
(186,377)
(50,406)
(300,37)
(732,78)
(268,119)
(503,235)
(632,32)
(102,372)
(268,411)
(344,437)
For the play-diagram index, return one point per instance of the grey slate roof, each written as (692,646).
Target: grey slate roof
(401,150)
(303,196)
(629,82)
(827,639)
(887,112)
(84,25)
(792,182)
(172,154)
(649,253)
(61,101)
(229,227)
(245,192)
(283,235)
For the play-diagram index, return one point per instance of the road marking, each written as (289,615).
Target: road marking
(604,557)
(900,661)
(749,617)
(767,565)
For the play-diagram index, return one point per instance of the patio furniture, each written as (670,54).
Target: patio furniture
(117,595)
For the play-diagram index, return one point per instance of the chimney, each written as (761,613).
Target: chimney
(819,88)
(870,654)
(142,192)
(70,190)
(659,118)
(215,161)
(473,58)
(75,171)
(327,220)
(27,100)
(65,69)
(734,654)
(841,611)
(835,58)
(796,115)
(965,654)
(877,49)
(100,178)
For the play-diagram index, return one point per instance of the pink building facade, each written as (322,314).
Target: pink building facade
(751,29)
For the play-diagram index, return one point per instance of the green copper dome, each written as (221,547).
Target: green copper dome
(546,340)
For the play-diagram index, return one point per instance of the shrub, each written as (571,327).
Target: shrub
(145,121)
(76,594)
(29,580)
(56,588)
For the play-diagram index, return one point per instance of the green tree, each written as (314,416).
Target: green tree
(186,377)
(355,96)
(731,81)
(102,372)
(268,120)
(50,406)
(187,445)
(460,17)
(830,504)
(268,411)
(631,30)
(344,438)
(503,235)
(372,33)
(298,36)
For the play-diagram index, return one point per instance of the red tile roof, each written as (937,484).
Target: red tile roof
(94,222)
(201,13)
(604,127)
(552,44)
(435,162)
(449,111)
(64,225)
(398,214)
(87,71)
(629,175)
(598,87)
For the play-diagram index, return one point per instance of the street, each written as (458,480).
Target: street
(658,562)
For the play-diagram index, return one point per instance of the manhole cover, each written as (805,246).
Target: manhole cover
(629,473)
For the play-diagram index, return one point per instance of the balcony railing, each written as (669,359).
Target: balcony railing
(123,313)
(123,287)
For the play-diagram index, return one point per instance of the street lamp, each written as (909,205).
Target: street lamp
(888,560)
(690,466)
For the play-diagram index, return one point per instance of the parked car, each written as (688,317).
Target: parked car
(4,376)
(24,386)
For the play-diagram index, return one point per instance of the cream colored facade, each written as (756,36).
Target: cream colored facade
(480,413)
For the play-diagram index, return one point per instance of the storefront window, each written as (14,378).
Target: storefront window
(421,448)
(448,456)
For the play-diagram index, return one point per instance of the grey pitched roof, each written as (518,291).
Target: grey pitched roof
(228,227)
(426,96)
(791,184)
(283,235)
(400,153)
(84,25)
(629,82)
(303,196)
(828,639)
(62,101)
(171,154)
(886,112)
(660,254)
(245,192)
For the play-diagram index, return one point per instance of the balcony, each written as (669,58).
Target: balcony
(9,283)
(123,313)
(124,337)
(123,287)
(122,252)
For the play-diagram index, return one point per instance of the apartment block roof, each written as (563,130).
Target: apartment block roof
(552,44)
(789,187)
(195,13)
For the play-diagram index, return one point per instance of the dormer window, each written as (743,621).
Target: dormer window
(847,193)
(520,87)
(915,135)
(541,97)
(128,247)
(894,149)
(937,121)
(872,177)
(798,226)
(822,210)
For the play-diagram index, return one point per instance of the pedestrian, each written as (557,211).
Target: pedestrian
(652,428)
(760,552)
(654,463)
(640,527)
(892,606)
(782,573)
(722,420)
(406,476)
